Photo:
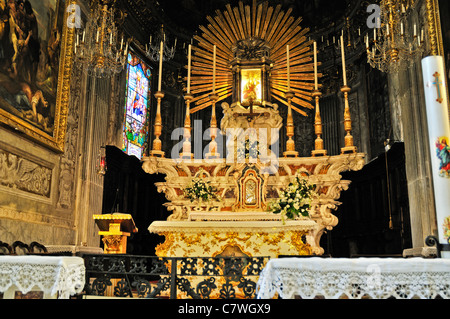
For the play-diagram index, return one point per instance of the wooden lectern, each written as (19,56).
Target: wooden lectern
(115,228)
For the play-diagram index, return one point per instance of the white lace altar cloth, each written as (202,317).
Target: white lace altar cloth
(50,274)
(334,278)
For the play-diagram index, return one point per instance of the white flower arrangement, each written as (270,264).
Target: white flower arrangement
(295,200)
(200,190)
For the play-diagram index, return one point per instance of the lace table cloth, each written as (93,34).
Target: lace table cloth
(50,274)
(335,278)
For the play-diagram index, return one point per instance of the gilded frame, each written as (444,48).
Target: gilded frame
(56,140)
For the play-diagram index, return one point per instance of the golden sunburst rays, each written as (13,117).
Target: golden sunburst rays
(277,28)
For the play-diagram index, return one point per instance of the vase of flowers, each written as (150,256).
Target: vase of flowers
(201,192)
(295,201)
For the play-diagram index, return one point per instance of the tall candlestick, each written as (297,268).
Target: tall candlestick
(214,70)
(288,69)
(316,85)
(344,72)
(161,49)
(189,70)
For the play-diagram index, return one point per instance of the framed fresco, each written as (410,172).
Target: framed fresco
(36,53)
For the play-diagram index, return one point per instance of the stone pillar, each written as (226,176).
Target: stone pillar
(409,122)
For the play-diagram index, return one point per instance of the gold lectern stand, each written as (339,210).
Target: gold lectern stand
(115,228)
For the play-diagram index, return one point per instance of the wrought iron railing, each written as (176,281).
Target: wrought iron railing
(174,278)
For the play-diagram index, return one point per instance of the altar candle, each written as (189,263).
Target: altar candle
(84,34)
(189,70)
(98,33)
(214,70)
(160,65)
(316,86)
(344,72)
(288,68)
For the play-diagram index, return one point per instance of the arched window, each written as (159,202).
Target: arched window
(137,104)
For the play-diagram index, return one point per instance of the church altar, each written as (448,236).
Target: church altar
(187,229)
(248,72)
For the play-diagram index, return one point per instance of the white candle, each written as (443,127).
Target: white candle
(121,44)
(401,28)
(316,86)
(415,30)
(161,49)
(189,70)
(98,33)
(214,70)
(288,68)
(110,38)
(367,42)
(387,28)
(375,34)
(84,34)
(344,72)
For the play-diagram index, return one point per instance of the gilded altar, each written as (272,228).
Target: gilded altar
(231,222)
(252,68)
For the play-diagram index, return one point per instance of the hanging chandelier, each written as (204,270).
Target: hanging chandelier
(153,48)
(396,42)
(100,49)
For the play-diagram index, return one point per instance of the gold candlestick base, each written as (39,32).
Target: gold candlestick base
(213,144)
(157,144)
(318,143)
(348,141)
(187,147)
(290,144)
(315,153)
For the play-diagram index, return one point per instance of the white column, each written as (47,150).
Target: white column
(439,130)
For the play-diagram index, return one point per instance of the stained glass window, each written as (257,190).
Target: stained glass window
(135,128)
